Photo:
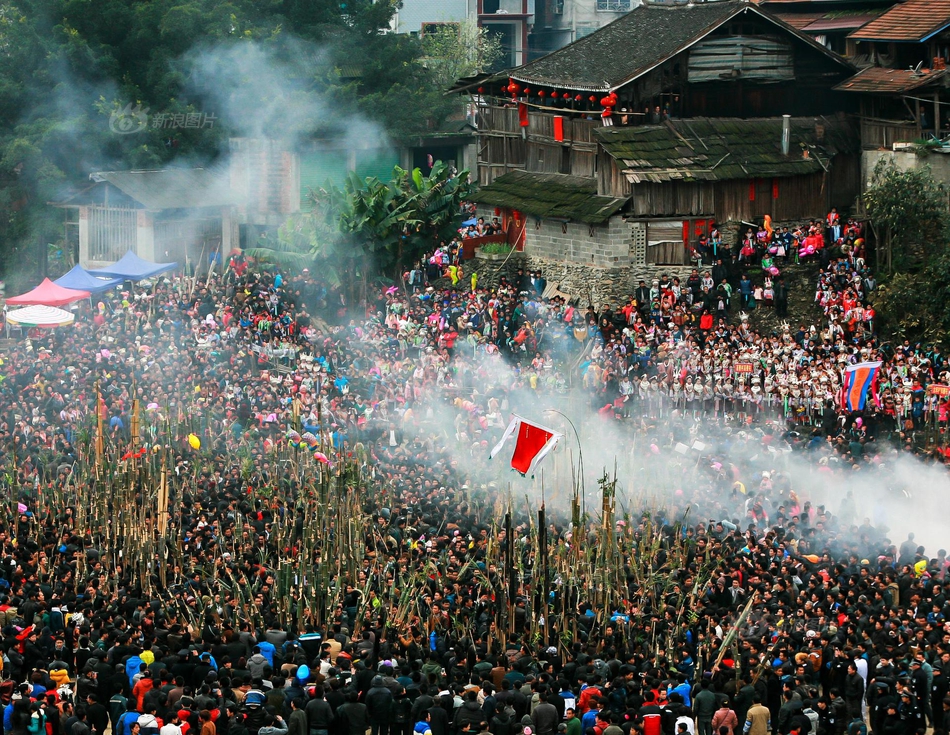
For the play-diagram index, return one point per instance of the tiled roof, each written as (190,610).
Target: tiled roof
(650,34)
(877,80)
(721,149)
(550,195)
(913,21)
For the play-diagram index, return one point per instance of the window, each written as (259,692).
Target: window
(557,7)
(614,6)
(112,231)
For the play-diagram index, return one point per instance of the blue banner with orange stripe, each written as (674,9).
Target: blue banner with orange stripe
(859,380)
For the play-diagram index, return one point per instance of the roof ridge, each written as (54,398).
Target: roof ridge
(649,37)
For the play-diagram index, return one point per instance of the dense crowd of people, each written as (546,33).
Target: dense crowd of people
(784,612)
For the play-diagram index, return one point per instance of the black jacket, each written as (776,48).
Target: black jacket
(379,703)
(470,712)
(319,714)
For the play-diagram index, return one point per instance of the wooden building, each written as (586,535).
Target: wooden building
(671,118)
(903,92)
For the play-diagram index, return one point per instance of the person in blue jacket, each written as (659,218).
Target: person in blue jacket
(267,651)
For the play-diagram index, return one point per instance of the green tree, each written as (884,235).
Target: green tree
(412,100)
(455,51)
(370,227)
(68,66)
(915,305)
(908,211)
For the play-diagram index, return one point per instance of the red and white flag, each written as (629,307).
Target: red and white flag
(533,444)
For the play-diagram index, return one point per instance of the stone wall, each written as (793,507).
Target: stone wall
(589,283)
(606,246)
(588,262)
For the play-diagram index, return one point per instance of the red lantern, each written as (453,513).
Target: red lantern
(527,91)
(481,90)
(592,98)
(566,96)
(541,93)
(514,87)
(578,98)
(605,102)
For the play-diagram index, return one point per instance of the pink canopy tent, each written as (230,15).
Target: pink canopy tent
(48,294)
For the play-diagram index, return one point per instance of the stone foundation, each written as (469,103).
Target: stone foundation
(588,283)
(593,263)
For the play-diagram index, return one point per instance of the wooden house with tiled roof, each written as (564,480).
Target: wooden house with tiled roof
(625,146)
(903,94)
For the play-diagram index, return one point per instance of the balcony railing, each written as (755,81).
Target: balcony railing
(877,133)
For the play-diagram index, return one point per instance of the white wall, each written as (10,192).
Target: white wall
(939,163)
(413,13)
(581,17)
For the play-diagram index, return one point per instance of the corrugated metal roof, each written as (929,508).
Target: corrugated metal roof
(912,21)
(185,188)
(876,80)
(705,149)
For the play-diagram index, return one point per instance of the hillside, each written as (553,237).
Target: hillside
(802,309)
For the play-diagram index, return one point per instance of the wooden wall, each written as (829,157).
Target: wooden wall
(798,197)
(610,181)
(505,146)
(845,180)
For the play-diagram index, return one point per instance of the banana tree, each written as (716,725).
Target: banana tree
(371,227)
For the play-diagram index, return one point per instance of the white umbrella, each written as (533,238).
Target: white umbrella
(40,316)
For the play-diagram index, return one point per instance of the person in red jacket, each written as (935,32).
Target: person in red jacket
(588,693)
(142,687)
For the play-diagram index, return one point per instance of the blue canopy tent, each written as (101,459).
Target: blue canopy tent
(82,280)
(132,268)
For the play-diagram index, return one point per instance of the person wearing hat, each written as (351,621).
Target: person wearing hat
(909,713)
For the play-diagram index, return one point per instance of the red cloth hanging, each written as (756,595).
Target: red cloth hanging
(523,114)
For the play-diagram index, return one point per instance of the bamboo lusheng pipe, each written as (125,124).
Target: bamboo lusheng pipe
(336,524)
